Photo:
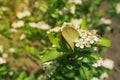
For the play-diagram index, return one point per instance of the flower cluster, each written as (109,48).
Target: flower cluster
(56,29)
(106,63)
(40,25)
(87,38)
(2,61)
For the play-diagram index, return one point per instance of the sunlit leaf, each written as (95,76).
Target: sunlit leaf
(51,54)
(70,34)
(32,50)
(95,55)
(105,42)
(83,24)
(54,39)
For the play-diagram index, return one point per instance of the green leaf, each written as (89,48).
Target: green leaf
(70,35)
(70,74)
(3,68)
(105,42)
(32,50)
(54,39)
(85,73)
(4,26)
(94,55)
(21,76)
(83,24)
(50,54)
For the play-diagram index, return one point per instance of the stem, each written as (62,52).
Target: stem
(84,71)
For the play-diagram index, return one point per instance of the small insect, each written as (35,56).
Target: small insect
(99,33)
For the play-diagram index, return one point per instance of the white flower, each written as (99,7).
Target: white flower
(1,48)
(98,63)
(76,22)
(75,1)
(12,50)
(43,25)
(23,14)
(2,60)
(94,78)
(23,36)
(72,9)
(79,43)
(118,8)
(39,25)
(95,48)
(56,29)
(4,55)
(4,8)
(108,29)
(105,21)
(18,24)
(33,24)
(107,63)
(87,44)
(87,38)
(81,46)
(104,76)
(11,73)
(13,30)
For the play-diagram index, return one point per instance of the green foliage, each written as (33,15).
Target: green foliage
(50,54)
(105,42)
(54,39)
(70,38)
(34,54)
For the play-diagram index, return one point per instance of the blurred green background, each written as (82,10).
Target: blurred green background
(23,27)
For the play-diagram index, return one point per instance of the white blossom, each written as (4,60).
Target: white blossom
(2,60)
(13,30)
(107,63)
(23,14)
(94,78)
(56,29)
(75,1)
(39,25)
(12,50)
(72,9)
(104,76)
(98,63)
(33,24)
(18,24)
(118,8)
(4,55)
(23,36)
(95,48)
(4,8)
(11,73)
(87,38)
(108,29)
(105,21)
(79,43)
(76,22)
(43,25)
